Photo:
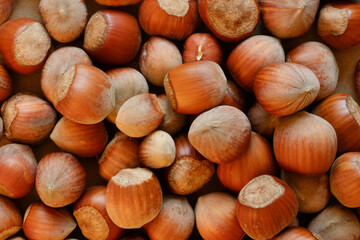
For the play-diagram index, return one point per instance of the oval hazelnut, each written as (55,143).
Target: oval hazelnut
(27,118)
(43,222)
(305,144)
(202,47)
(83,140)
(195,86)
(17,170)
(84,94)
(158,56)
(140,115)
(169,18)
(10,218)
(216,217)
(112,37)
(220,134)
(24,45)
(265,206)
(65,20)
(133,197)
(60,179)
(175,221)
(288,19)
(285,88)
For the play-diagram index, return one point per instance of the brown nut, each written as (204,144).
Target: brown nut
(312,192)
(319,59)
(92,218)
(229,22)
(45,223)
(158,56)
(10,218)
(112,37)
(288,19)
(343,113)
(84,94)
(202,47)
(27,118)
(190,171)
(195,86)
(140,115)
(157,150)
(133,197)
(336,223)
(220,134)
(285,88)
(175,221)
(24,45)
(17,170)
(338,24)
(65,20)
(60,179)
(83,140)
(305,144)
(6,8)
(216,217)
(265,206)
(121,152)
(171,19)
(344,179)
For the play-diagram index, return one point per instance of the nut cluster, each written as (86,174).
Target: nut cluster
(179,119)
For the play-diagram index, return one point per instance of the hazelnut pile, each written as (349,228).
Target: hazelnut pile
(178,119)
